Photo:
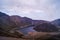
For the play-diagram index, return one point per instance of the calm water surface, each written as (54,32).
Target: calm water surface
(26,30)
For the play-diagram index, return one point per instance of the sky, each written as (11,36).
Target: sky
(35,9)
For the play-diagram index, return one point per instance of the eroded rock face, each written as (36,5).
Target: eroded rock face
(46,27)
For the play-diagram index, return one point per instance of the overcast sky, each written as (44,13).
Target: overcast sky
(35,9)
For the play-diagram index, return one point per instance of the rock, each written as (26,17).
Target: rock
(46,27)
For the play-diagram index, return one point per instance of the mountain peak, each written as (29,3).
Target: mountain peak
(3,14)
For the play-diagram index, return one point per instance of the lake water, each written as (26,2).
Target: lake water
(26,30)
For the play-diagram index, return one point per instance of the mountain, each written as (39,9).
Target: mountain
(26,21)
(10,25)
(20,21)
(46,27)
(56,22)
(5,22)
(17,20)
(3,14)
(37,22)
(7,26)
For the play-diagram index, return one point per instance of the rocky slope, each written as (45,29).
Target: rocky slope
(56,22)
(10,25)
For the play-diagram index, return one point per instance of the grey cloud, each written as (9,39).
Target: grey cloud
(49,7)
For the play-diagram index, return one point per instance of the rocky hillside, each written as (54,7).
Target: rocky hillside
(10,25)
(46,27)
(56,22)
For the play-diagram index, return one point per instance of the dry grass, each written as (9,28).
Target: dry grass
(33,36)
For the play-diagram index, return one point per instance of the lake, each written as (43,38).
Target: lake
(26,30)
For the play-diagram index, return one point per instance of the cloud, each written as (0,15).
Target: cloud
(35,9)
